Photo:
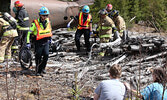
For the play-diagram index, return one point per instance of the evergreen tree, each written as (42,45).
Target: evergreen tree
(95,8)
(154,11)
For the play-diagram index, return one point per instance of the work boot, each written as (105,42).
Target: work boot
(38,74)
(43,71)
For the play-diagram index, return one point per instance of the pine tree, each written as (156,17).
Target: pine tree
(154,11)
(95,8)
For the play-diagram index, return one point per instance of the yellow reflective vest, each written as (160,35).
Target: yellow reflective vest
(84,25)
(38,30)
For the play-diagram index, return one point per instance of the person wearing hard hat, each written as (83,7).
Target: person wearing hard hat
(7,34)
(120,24)
(84,27)
(106,26)
(42,32)
(109,9)
(22,18)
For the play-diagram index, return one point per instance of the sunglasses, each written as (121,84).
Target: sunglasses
(45,15)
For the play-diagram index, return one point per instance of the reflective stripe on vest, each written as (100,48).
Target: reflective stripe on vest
(42,33)
(7,57)
(22,28)
(104,28)
(121,31)
(9,32)
(26,18)
(2,58)
(105,36)
(85,25)
(15,47)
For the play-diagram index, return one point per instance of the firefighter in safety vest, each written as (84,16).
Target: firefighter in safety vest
(41,29)
(106,27)
(120,24)
(22,18)
(7,34)
(84,27)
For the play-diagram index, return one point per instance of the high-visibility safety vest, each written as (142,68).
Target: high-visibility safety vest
(43,33)
(84,25)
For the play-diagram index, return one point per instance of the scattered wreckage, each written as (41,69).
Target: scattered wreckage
(65,65)
(137,52)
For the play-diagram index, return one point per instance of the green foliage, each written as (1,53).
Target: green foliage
(154,11)
(75,91)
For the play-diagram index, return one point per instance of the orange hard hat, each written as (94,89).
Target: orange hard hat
(18,4)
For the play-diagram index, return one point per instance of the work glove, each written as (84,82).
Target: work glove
(91,33)
(68,25)
(50,41)
(28,45)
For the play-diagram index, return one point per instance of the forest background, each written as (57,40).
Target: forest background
(152,12)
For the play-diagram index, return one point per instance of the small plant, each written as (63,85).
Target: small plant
(75,91)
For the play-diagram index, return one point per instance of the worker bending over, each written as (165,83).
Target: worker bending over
(7,33)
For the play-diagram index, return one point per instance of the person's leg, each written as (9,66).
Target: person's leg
(3,44)
(77,38)
(38,57)
(45,55)
(125,36)
(24,37)
(86,38)
(8,48)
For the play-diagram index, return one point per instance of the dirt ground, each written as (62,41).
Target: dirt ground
(57,84)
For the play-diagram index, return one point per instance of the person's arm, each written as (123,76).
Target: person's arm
(32,28)
(90,27)
(96,97)
(136,93)
(97,92)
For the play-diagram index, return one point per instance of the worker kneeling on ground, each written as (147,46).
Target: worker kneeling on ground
(106,27)
(7,33)
(120,24)
(41,29)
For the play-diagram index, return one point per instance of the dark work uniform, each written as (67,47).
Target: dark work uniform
(79,33)
(23,24)
(42,51)
(41,46)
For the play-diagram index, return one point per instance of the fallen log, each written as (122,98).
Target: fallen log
(84,70)
(118,60)
(134,48)
(111,44)
(116,50)
(148,58)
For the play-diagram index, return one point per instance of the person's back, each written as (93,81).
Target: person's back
(154,91)
(22,17)
(107,22)
(111,90)
(7,37)
(120,23)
